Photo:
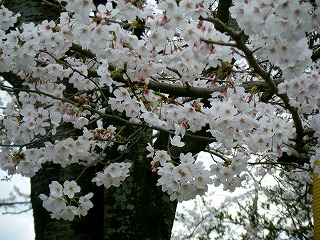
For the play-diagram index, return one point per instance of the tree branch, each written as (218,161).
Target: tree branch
(223,13)
(108,116)
(174,90)
(237,36)
(6,204)
(316,55)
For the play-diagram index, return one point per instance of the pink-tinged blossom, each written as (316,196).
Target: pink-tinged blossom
(107,11)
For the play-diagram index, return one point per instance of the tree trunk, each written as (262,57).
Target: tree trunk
(223,13)
(137,209)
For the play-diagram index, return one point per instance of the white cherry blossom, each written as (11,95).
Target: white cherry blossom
(84,71)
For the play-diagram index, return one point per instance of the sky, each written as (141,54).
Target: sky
(15,226)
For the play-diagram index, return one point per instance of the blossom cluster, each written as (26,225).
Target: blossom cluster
(230,173)
(182,181)
(64,202)
(64,152)
(112,175)
(253,125)
(8,19)
(303,92)
(277,30)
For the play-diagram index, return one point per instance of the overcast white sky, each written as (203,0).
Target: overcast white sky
(18,226)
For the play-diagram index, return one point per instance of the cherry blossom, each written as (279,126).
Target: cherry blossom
(8,18)
(70,188)
(112,175)
(61,199)
(183,76)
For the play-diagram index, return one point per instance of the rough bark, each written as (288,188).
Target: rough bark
(138,209)
(223,13)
